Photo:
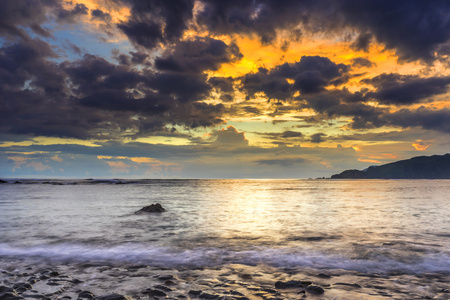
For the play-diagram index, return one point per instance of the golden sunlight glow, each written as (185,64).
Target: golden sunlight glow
(373,161)
(419,145)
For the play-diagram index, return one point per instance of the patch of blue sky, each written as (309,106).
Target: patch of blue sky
(76,40)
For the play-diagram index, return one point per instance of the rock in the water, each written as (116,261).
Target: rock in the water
(2,181)
(113,296)
(314,289)
(152,208)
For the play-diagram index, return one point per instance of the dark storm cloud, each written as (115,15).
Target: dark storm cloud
(17,15)
(93,97)
(414,28)
(278,136)
(262,81)
(311,75)
(422,117)
(291,134)
(101,15)
(362,42)
(71,16)
(152,22)
(405,89)
(362,62)
(260,17)
(196,56)
(317,137)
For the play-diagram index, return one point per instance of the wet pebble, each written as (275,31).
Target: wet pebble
(208,296)
(292,284)
(194,292)
(355,285)
(163,288)
(22,287)
(315,290)
(165,277)
(154,293)
(86,295)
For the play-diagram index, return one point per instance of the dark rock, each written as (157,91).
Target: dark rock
(5,289)
(113,296)
(52,283)
(246,276)
(86,295)
(22,287)
(355,285)
(324,276)
(315,290)
(208,296)
(292,284)
(195,293)
(32,280)
(10,296)
(152,208)
(165,277)
(77,281)
(2,181)
(169,282)
(154,293)
(163,288)
(54,274)
(17,182)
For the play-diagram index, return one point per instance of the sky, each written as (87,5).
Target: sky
(220,89)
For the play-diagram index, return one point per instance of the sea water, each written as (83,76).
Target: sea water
(364,226)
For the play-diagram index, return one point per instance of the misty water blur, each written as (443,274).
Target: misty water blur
(368,226)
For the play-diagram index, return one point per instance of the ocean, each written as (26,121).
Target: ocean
(355,239)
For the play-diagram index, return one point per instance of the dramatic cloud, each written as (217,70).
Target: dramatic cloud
(184,79)
(158,21)
(309,75)
(406,89)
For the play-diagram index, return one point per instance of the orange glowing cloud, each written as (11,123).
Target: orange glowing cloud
(373,161)
(420,145)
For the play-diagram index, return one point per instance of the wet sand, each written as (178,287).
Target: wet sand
(103,281)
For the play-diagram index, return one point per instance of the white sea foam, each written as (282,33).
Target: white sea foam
(170,257)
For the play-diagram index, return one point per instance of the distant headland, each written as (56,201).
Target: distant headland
(420,167)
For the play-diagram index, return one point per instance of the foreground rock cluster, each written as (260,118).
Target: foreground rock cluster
(87,281)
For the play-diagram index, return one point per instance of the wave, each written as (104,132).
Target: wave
(207,257)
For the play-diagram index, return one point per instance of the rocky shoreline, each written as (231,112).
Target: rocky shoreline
(235,282)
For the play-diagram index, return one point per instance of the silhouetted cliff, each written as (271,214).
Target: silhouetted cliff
(421,167)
